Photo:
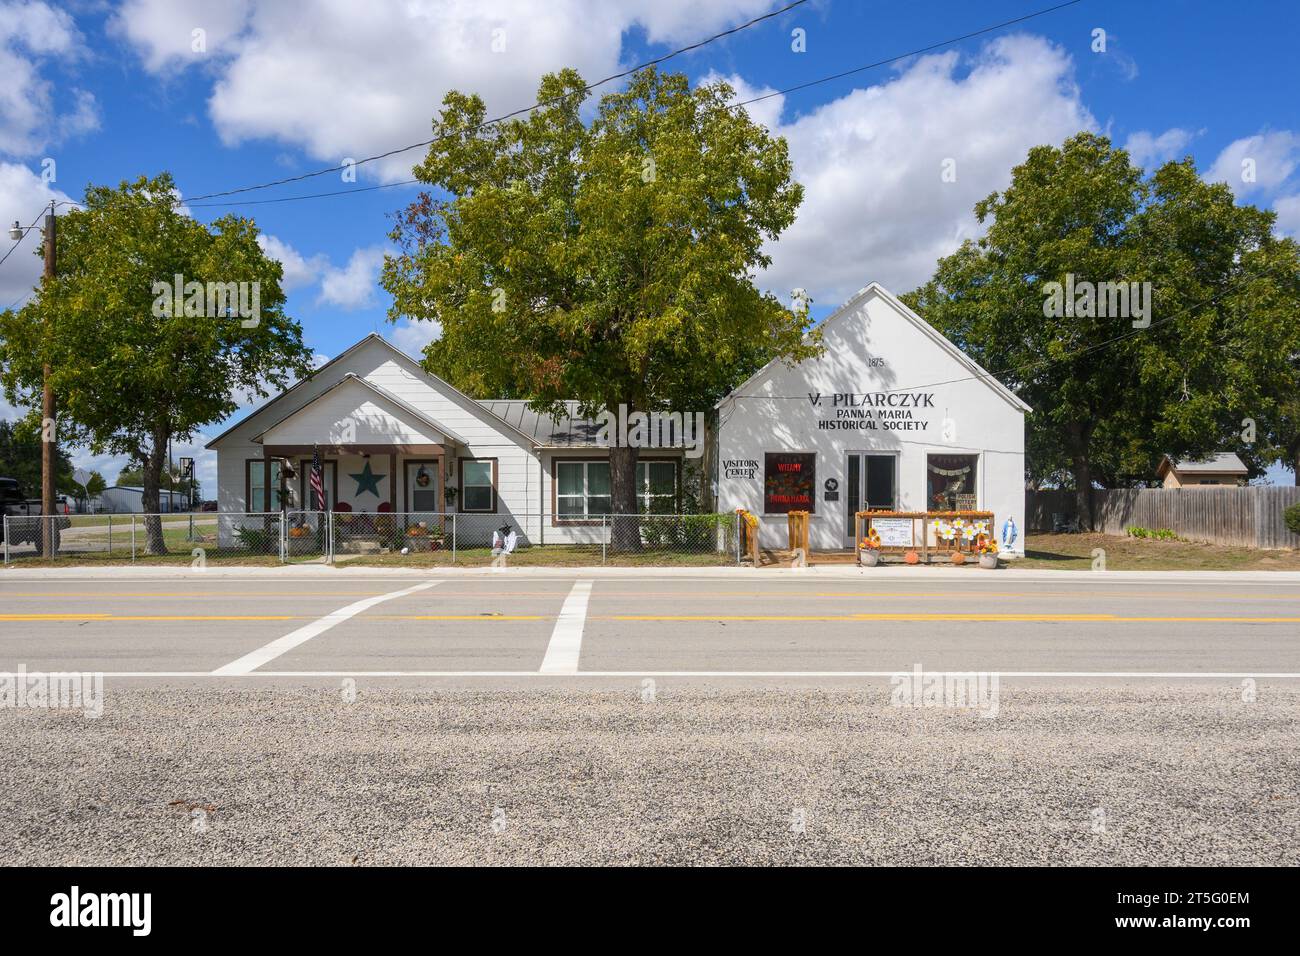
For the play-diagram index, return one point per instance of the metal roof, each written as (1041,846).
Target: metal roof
(569,431)
(1224,461)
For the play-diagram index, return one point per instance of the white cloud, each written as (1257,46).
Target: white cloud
(23,193)
(1149,150)
(163,31)
(341,79)
(354,285)
(299,271)
(1288,215)
(1257,164)
(32,34)
(876,205)
(412,337)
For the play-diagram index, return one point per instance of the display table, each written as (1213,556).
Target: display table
(922,531)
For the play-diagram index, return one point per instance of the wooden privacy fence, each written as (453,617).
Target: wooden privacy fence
(1248,517)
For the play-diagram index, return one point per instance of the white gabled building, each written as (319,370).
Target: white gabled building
(394,438)
(892,415)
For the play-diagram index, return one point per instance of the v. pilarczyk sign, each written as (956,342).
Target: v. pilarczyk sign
(871,411)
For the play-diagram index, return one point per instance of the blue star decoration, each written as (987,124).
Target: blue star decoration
(367,481)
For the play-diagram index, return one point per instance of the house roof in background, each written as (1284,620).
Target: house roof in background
(1224,461)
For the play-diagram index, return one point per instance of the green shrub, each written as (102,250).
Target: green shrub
(1159,534)
(1292,518)
(259,540)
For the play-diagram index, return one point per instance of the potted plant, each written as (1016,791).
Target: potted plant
(988,552)
(869,552)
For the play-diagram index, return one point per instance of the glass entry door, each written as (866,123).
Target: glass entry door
(872,483)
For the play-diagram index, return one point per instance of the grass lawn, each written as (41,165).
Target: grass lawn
(1073,552)
(555,556)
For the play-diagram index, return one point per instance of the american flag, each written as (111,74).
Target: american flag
(317,481)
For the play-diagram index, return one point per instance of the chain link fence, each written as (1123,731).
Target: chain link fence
(412,539)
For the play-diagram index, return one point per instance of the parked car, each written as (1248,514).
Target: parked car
(22,513)
(208,506)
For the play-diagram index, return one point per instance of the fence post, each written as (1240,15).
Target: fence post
(604,536)
(283,540)
(329,530)
(453,537)
(110,536)
(5,520)
(133,538)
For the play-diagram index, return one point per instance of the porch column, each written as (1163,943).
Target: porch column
(392,481)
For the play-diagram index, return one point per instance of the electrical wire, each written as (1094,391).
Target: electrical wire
(527,109)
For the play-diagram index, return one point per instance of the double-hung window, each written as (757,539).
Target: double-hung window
(478,485)
(582,488)
(255,483)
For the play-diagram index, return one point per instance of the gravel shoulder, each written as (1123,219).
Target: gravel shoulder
(1185,773)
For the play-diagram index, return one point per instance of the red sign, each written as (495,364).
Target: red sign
(789,480)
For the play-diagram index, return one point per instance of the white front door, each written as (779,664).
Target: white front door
(424,486)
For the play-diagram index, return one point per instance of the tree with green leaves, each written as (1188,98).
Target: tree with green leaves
(610,263)
(169,478)
(1112,393)
(153,324)
(20,457)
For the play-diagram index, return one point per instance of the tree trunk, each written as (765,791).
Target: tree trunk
(1081,468)
(625,523)
(154,543)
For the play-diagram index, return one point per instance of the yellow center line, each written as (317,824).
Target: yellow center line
(1105,618)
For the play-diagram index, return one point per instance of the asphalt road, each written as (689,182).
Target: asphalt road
(353,717)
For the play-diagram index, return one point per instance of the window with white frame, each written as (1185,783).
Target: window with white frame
(477,484)
(656,483)
(255,484)
(582,488)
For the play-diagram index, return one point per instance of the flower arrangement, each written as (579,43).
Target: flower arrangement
(418,530)
(872,541)
(986,545)
(299,531)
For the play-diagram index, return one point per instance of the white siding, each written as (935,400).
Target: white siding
(774,413)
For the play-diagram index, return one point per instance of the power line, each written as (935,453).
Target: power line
(527,109)
(336,192)
(917,52)
(19,241)
(649,63)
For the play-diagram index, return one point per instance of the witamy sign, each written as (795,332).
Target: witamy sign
(872,411)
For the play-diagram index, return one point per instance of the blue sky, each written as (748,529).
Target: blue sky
(112,91)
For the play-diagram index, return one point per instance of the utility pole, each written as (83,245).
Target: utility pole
(49,434)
